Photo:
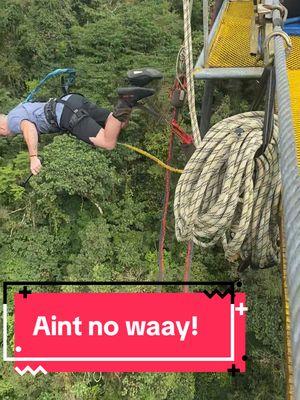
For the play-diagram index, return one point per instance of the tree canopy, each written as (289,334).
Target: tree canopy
(95,215)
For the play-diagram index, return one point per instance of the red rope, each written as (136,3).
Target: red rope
(175,129)
(163,230)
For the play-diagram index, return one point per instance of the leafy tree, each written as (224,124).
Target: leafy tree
(95,215)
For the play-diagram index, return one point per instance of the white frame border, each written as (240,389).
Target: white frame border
(126,359)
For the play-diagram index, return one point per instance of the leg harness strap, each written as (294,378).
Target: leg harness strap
(50,112)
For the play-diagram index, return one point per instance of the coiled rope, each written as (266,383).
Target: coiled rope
(227,195)
(237,201)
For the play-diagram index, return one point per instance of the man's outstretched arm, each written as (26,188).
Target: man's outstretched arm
(31,138)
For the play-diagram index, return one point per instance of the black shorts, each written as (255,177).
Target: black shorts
(89,125)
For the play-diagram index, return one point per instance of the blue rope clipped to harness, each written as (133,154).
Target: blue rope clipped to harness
(65,82)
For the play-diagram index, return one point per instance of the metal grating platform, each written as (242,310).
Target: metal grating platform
(229,45)
(293,61)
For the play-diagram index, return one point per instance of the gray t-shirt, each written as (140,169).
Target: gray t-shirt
(33,112)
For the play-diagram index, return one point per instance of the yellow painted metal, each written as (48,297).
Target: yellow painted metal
(231,43)
(294,79)
(293,61)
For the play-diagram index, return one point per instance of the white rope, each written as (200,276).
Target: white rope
(227,195)
(189,70)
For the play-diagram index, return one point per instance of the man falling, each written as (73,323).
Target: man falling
(73,113)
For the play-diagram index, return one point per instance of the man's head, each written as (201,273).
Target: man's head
(4,130)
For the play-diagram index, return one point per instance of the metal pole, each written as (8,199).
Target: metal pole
(206,107)
(291,195)
(205,30)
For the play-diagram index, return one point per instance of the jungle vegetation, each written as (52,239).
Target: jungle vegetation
(95,215)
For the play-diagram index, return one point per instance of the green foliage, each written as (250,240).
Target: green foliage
(72,169)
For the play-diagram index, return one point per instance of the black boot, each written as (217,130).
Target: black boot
(122,111)
(128,98)
(133,94)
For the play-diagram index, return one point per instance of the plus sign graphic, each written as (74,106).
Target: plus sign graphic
(25,292)
(241,309)
(233,370)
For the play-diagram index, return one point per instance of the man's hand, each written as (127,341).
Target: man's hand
(35,165)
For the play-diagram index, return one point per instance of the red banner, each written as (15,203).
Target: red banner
(76,332)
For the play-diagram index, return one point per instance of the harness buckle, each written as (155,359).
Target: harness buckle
(50,112)
(78,115)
